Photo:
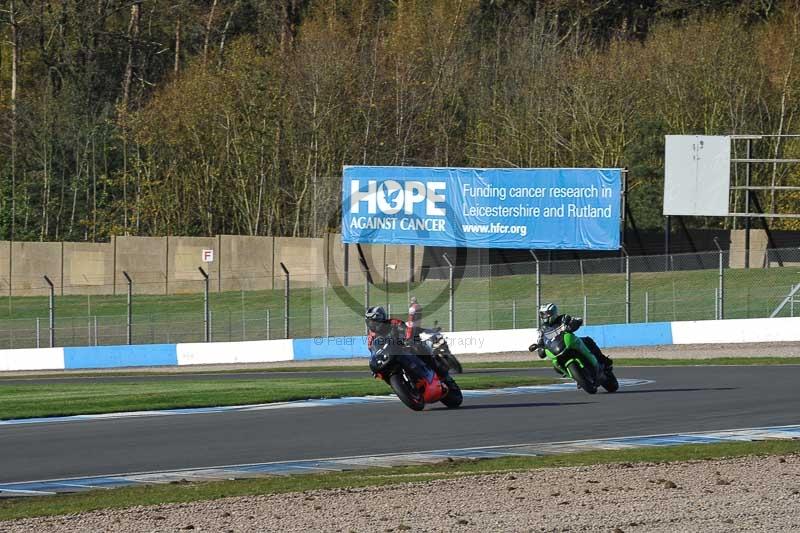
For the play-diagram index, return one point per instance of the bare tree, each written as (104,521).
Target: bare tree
(209,24)
(12,17)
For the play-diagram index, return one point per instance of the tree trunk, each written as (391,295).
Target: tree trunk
(208,31)
(14,69)
(133,35)
(177,46)
(225,33)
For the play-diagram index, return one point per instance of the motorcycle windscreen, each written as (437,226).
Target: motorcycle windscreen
(554,341)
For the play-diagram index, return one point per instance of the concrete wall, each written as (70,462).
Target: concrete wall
(246,262)
(88,268)
(304,258)
(758,248)
(32,261)
(185,259)
(145,261)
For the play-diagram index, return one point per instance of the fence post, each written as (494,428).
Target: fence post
(327,321)
(285,303)
(585,309)
(129,326)
(52,312)
(646,306)
(366,297)
(95,330)
(325,305)
(37,332)
(206,325)
(721,314)
(514,314)
(627,285)
(538,287)
(451,290)
(268,324)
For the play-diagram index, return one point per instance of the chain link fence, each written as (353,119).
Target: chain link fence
(698,286)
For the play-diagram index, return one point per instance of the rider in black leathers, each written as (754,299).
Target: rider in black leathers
(388,337)
(550,319)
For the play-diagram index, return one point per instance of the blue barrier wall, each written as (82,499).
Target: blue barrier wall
(619,335)
(607,336)
(120,356)
(330,348)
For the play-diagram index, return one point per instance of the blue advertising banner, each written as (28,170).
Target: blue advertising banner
(533,208)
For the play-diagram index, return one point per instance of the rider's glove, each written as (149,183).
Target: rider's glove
(532,347)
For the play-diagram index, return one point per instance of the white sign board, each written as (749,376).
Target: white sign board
(208,256)
(697,175)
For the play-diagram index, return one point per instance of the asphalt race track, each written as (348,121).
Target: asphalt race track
(680,399)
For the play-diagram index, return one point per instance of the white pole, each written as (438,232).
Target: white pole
(585,309)
(514,314)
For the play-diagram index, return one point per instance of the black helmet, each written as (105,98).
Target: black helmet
(376,319)
(548,314)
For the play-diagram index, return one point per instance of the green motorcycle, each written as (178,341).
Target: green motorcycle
(571,358)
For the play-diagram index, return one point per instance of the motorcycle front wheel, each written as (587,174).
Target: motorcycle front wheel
(452,362)
(454,396)
(580,377)
(610,384)
(407,393)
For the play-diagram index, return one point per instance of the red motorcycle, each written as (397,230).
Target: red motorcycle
(414,382)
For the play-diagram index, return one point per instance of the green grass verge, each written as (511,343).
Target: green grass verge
(362,367)
(182,493)
(61,399)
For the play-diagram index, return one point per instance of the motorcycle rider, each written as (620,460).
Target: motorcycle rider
(550,319)
(414,321)
(395,336)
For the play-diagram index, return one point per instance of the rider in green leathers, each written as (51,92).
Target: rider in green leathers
(551,320)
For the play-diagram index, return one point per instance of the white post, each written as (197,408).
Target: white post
(646,306)
(95,330)
(37,332)
(514,314)
(585,309)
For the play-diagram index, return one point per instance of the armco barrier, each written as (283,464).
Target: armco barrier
(462,342)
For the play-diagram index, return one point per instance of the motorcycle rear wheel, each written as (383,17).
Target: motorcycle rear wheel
(580,377)
(409,395)
(454,396)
